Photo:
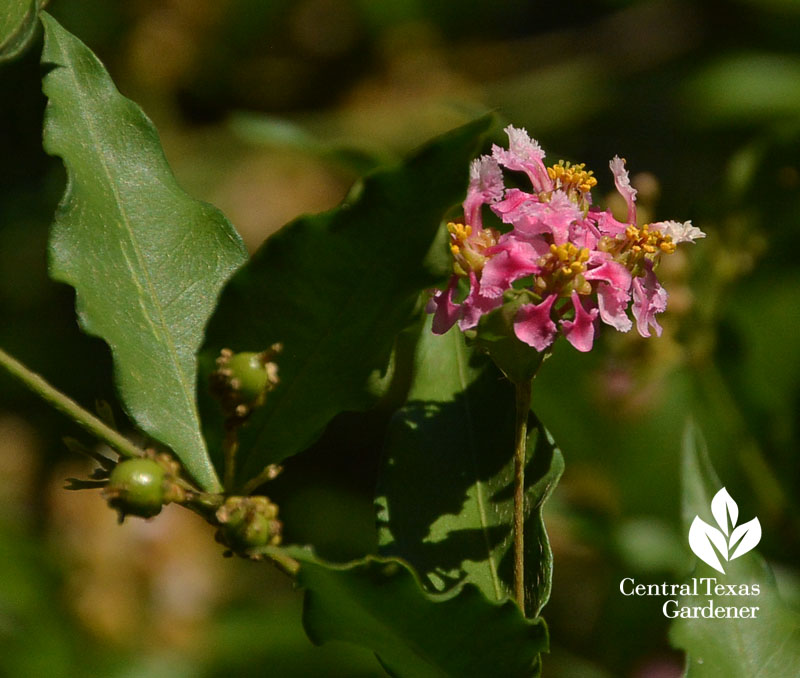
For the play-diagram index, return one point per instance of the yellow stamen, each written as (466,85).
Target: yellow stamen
(569,176)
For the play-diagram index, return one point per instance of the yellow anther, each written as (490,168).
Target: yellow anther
(569,176)
(455,249)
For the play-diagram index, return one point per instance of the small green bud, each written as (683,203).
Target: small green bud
(247,523)
(248,375)
(137,487)
(242,380)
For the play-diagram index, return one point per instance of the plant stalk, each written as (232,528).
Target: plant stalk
(523,401)
(230,446)
(69,407)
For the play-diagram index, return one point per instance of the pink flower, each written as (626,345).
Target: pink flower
(575,264)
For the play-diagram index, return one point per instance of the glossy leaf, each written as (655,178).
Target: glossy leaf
(17,26)
(768,645)
(379,604)
(335,289)
(146,260)
(446,485)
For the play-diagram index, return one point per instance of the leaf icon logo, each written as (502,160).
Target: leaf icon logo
(729,541)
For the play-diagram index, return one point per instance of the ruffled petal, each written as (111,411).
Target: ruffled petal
(608,270)
(649,298)
(511,260)
(533,324)
(623,183)
(524,155)
(531,216)
(580,331)
(485,187)
(607,224)
(476,305)
(679,232)
(613,304)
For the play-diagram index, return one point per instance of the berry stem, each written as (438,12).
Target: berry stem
(69,407)
(523,401)
(230,446)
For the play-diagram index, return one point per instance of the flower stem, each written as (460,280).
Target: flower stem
(230,447)
(69,407)
(523,399)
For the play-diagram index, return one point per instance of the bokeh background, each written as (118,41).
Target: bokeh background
(271,108)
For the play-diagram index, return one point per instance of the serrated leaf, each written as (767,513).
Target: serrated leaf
(146,260)
(765,646)
(335,289)
(446,484)
(379,604)
(17,26)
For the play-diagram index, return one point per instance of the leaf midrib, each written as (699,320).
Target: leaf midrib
(167,342)
(479,494)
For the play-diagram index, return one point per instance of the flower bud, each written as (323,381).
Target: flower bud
(247,523)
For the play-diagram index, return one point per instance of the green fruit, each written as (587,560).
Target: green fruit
(136,487)
(248,376)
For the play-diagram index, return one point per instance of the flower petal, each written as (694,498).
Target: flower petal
(533,324)
(679,232)
(580,331)
(485,187)
(476,304)
(445,312)
(649,298)
(613,304)
(623,183)
(511,260)
(524,155)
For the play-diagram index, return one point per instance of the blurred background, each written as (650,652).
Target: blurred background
(271,108)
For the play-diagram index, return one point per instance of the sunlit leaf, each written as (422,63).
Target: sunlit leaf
(146,260)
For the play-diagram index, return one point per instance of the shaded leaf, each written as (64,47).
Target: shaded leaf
(379,604)
(335,289)
(446,484)
(17,26)
(146,260)
(767,646)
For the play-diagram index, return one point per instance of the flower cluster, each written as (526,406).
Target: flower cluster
(565,263)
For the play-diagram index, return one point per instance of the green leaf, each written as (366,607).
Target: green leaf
(768,645)
(146,260)
(335,289)
(446,485)
(17,26)
(378,603)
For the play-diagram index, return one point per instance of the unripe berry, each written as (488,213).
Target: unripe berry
(137,487)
